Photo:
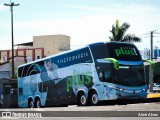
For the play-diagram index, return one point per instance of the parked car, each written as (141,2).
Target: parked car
(156,87)
(156,84)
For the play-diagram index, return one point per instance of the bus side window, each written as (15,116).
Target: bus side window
(20,91)
(20,71)
(107,76)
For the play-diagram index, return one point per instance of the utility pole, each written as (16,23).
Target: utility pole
(11,5)
(151,57)
(150,67)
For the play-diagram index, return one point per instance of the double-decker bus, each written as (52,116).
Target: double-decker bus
(97,72)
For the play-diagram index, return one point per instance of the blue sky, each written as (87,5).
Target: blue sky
(85,21)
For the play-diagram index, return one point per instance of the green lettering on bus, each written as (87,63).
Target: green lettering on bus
(82,80)
(123,51)
(69,83)
(88,79)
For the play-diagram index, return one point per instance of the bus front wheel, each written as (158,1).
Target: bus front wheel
(93,99)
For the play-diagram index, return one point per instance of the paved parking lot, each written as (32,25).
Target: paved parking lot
(144,110)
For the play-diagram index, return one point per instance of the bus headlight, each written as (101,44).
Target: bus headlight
(116,88)
(144,89)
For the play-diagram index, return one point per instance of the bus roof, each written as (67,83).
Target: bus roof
(55,55)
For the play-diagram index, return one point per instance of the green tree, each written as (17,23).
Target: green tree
(119,33)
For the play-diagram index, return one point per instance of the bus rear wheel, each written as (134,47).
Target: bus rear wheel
(30,104)
(38,103)
(93,99)
(82,99)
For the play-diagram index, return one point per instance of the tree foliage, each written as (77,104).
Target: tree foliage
(119,33)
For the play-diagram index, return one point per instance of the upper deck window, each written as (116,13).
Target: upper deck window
(119,51)
(99,51)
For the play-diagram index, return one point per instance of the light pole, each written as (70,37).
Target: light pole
(12,37)
(151,57)
(150,68)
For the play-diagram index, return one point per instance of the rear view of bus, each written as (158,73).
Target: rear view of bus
(120,71)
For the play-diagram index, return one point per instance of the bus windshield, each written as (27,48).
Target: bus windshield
(129,76)
(126,75)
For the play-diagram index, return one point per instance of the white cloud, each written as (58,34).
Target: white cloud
(93,28)
(89,8)
(137,8)
(132,8)
(2,7)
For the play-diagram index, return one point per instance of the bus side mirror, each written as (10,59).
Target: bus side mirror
(114,61)
(109,60)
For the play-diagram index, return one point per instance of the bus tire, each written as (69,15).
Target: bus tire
(93,99)
(82,99)
(64,105)
(30,104)
(38,103)
(1,105)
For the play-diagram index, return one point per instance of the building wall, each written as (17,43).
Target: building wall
(38,54)
(43,46)
(5,67)
(5,70)
(52,44)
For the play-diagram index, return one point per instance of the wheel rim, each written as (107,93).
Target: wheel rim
(94,99)
(83,100)
(38,104)
(31,104)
